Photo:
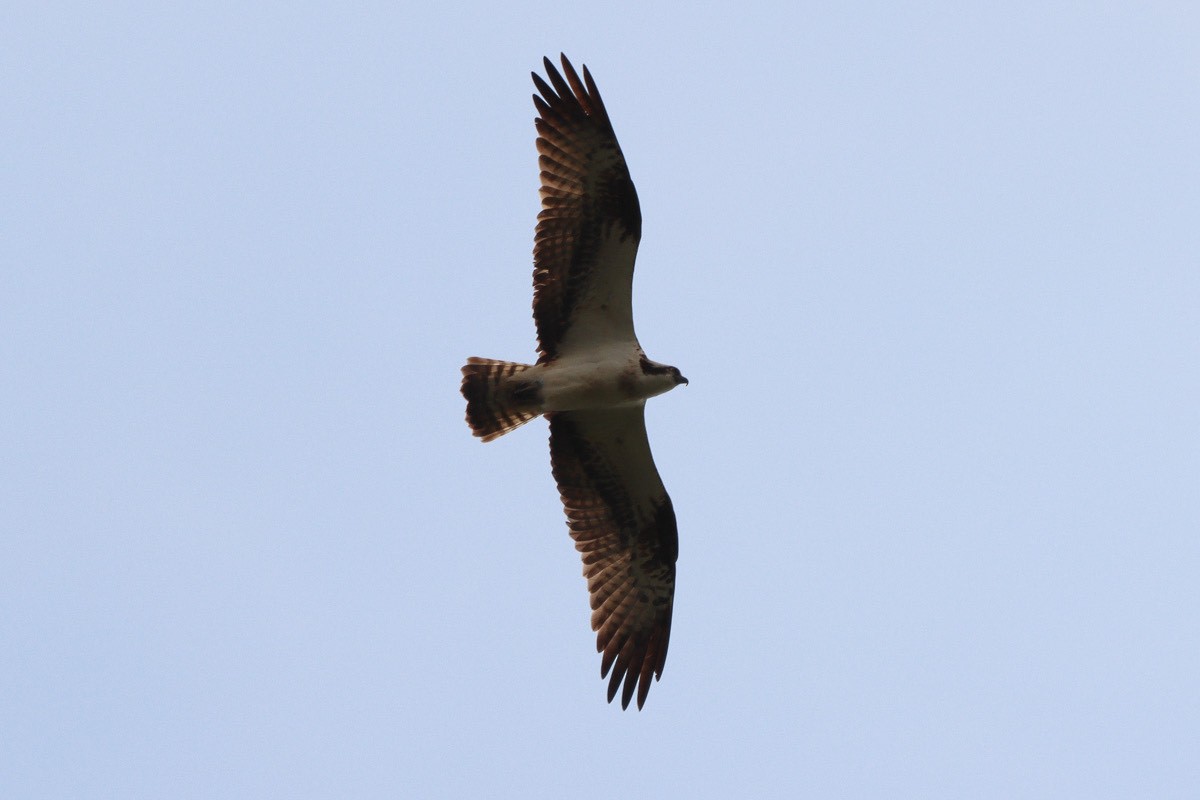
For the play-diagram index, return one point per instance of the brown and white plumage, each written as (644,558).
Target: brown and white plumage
(623,525)
(590,215)
(591,381)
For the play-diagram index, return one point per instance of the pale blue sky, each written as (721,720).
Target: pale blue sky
(933,272)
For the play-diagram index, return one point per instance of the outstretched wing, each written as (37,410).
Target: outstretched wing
(590,223)
(623,524)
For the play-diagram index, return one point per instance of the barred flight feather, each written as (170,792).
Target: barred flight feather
(494,404)
(629,541)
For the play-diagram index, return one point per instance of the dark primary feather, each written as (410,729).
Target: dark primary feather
(590,222)
(623,524)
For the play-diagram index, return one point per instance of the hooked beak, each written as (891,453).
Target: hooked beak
(682,380)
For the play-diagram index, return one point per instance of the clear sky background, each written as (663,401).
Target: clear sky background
(933,272)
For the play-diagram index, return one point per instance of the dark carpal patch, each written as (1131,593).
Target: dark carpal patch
(664,523)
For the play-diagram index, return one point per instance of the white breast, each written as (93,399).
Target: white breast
(605,378)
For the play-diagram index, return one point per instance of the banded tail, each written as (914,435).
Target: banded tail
(496,402)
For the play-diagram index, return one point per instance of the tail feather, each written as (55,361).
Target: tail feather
(496,403)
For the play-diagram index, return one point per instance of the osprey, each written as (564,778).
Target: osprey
(591,381)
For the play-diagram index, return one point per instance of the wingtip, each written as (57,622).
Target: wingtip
(642,688)
(569,68)
(567,65)
(627,692)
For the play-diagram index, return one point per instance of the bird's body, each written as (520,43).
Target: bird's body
(615,379)
(610,377)
(591,381)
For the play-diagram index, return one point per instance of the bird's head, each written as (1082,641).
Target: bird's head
(663,376)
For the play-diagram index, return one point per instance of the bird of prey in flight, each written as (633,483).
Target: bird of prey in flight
(591,381)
